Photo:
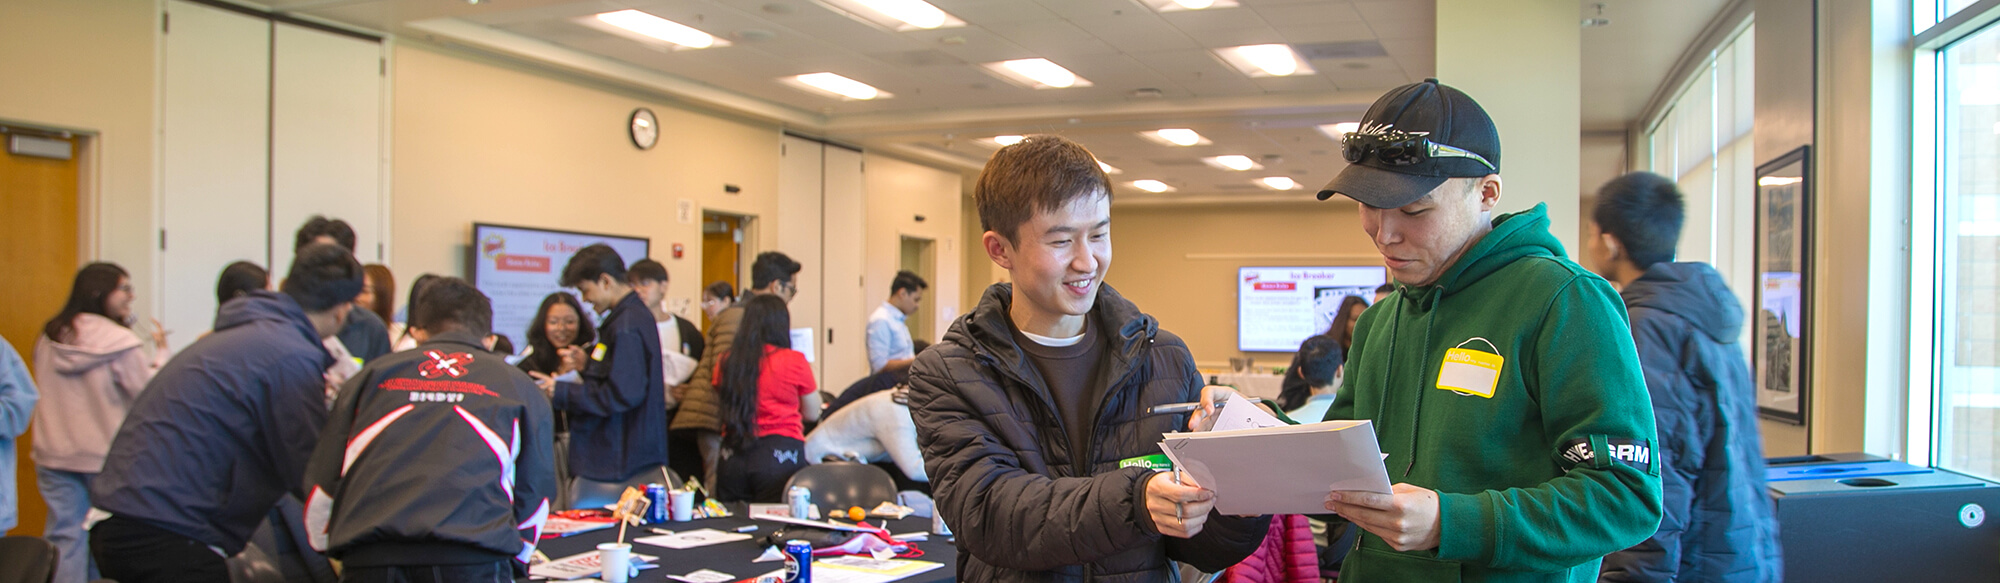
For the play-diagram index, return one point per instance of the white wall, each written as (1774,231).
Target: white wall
(898,191)
(481,140)
(1521,62)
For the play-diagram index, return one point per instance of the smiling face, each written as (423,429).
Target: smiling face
(1057,261)
(1422,239)
(561,325)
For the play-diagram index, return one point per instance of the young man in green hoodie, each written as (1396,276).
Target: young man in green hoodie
(1500,377)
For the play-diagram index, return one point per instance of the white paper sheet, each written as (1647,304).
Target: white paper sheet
(692,538)
(1284,469)
(582,564)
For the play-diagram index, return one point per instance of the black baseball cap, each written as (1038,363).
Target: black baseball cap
(1445,116)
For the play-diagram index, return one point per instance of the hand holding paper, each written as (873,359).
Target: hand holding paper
(1283,469)
(1407,519)
(1178,510)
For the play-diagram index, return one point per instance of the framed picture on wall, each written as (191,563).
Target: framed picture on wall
(1781,318)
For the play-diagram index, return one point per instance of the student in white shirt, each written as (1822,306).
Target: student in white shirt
(1319,363)
(680,340)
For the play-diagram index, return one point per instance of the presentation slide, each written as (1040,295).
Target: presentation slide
(1279,307)
(518,266)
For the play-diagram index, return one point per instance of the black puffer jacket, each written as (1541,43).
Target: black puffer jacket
(1027,505)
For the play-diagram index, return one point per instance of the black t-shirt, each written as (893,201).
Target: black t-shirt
(1071,374)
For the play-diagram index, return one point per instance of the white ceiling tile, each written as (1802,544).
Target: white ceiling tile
(1214,19)
(1083,9)
(1136,31)
(1051,37)
(1370,80)
(996,12)
(1326,32)
(1396,9)
(1236,37)
(1304,14)
(1404,29)
(1186,64)
(975,44)
(1294,84)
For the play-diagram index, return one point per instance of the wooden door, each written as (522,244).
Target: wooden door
(38,244)
(721,256)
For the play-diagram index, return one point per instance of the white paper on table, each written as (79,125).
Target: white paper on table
(582,564)
(704,576)
(1287,469)
(853,569)
(1240,413)
(692,538)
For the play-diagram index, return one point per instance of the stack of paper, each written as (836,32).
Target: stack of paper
(1258,465)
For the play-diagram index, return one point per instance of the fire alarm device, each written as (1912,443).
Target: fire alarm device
(678,249)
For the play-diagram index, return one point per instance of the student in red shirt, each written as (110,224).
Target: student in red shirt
(766,398)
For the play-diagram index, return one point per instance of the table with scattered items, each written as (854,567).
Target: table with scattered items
(737,558)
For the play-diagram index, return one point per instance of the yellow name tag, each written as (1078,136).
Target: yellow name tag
(1470,372)
(597,353)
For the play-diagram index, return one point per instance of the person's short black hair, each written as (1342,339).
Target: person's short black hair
(1387,288)
(1319,357)
(450,304)
(908,280)
(720,290)
(502,344)
(240,278)
(1644,211)
(646,270)
(320,226)
(323,276)
(591,262)
(772,266)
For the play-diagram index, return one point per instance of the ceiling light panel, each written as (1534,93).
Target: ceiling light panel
(1037,74)
(1275,60)
(1233,162)
(1109,169)
(833,85)
(1006,140)
(1278,183)
(1176,137)
(1153,186)
(1338,131)
(1179,5)
(897,15)
(653,30)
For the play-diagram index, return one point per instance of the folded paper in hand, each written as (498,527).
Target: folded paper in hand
(1280,469)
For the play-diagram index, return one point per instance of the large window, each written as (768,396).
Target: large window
(1703,140)
(1965,285)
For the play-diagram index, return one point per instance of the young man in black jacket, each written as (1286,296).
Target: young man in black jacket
(430,452)
(223,430)
(1030,402)
(1718,523)
(618,414)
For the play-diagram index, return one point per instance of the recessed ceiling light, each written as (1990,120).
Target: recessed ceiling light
(1175,137)
(1338,131)
(1274,60)
(1232,162)
(654,27)
(1179,5)
(898,15)
(1153,186)
(839,86)
(1278,183)
(1037,73)
(1109,169)
(1007,140)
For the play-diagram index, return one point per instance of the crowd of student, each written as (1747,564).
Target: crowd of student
(1609,436)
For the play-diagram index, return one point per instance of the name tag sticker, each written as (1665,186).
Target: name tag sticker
(598,352)
(1470,372)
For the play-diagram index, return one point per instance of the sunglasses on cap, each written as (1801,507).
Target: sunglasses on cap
(1400,148)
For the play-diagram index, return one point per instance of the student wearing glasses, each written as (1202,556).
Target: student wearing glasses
(1501,379)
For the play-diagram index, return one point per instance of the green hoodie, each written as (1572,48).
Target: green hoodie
(1553,470)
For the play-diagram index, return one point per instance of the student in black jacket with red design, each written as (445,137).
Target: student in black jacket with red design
(436,460)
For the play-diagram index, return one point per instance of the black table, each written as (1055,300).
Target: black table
(735,558)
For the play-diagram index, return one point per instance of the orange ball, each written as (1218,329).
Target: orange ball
(856,514)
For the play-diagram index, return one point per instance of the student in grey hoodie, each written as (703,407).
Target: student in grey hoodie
(89,367)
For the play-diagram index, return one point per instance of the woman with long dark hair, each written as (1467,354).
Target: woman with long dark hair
(89,367)
(1342,329)
(768,394)
(558,327)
